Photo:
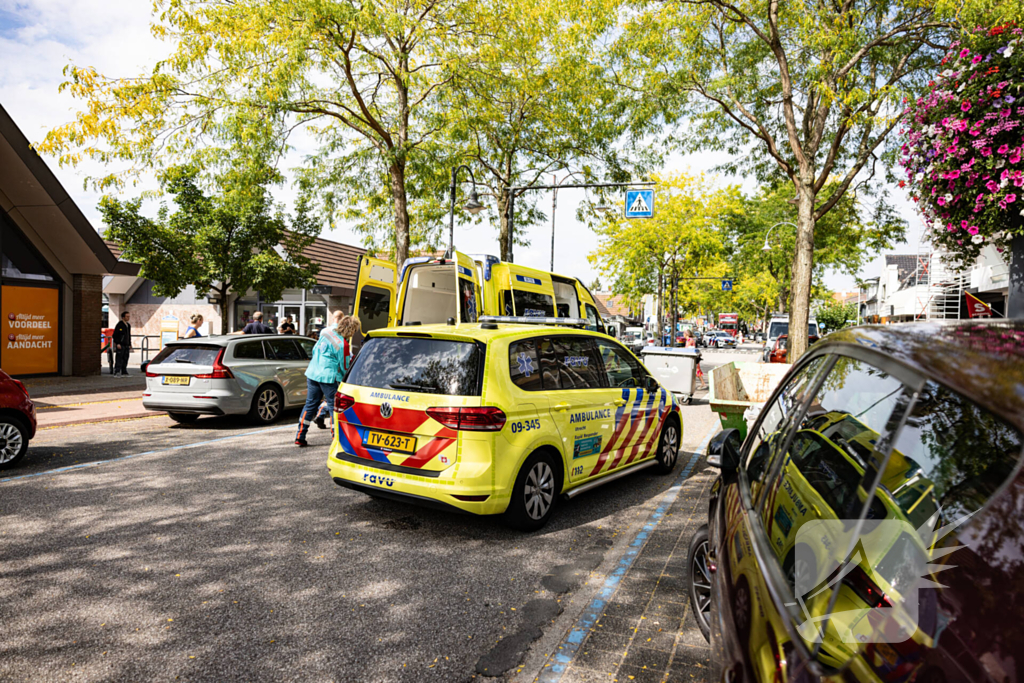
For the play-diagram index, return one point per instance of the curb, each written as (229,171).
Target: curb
(108,418)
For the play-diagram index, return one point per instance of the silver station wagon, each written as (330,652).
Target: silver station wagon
(258,375)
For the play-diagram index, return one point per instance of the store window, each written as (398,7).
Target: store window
(20,260)
(243,313)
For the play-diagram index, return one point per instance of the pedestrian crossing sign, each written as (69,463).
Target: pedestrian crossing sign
(639,203)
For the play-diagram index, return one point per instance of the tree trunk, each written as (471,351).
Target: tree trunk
(803,262)
(401,206)
(503,199)
(661,291)
(224,328)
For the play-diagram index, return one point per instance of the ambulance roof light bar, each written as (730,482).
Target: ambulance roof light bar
(533,320)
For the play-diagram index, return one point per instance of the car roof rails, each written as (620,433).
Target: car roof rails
(534,320)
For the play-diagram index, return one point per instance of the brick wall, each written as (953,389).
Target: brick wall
(87,302)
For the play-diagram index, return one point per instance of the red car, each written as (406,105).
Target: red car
(17,420)
(778,353)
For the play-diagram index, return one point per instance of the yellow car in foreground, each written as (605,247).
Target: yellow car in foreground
(501,416)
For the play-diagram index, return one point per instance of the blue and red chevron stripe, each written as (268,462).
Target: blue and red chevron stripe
(433,439)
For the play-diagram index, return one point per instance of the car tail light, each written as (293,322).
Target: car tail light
(151,374)
(21,386)
(343,402)
(481,419)
(220,371)
(866,589)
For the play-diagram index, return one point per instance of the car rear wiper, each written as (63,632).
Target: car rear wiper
(181,360)
(413,387)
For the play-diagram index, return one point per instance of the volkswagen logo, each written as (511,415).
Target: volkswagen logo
(385,410)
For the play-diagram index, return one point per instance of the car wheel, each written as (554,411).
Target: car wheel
(700,581)
(668,447)
(183,418)
(266,404)
(534,495)
(13,441)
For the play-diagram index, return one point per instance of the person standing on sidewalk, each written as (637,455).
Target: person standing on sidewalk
(122,339)
(193,330)
(326,369)
(257,326)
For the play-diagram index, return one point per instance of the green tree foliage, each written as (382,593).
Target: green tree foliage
(833,315)
(808,91)
(365,80)
(538,99)
(647,256)
(845,239)
(234,240)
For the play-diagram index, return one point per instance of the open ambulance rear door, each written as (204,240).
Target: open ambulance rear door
(467,289)
(376,293)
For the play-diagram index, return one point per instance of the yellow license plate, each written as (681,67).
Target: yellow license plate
(390,442)
(178,380)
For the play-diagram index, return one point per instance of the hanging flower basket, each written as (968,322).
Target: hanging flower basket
(964,143)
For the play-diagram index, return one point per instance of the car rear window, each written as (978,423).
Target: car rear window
(196,354)
(419,365)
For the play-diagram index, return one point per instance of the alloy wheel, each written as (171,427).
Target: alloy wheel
(539,491)
(700,585)
(268,405)
(670,446)
(10,442)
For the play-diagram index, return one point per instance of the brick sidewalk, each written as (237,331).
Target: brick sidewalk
(647,632)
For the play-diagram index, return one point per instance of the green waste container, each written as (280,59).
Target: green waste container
(735,387)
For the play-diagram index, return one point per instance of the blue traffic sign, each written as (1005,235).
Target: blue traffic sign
(639,203)
(726,285)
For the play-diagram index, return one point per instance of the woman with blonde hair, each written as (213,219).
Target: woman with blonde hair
(193,329)
(347,328)
(330,362)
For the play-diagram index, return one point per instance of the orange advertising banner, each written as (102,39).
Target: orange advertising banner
(30,318)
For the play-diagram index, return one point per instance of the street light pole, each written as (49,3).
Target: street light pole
(555,184)
(473,205)
(766,247)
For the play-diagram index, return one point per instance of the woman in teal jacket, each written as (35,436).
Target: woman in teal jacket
(330,362)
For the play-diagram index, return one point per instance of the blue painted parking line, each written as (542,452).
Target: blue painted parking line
(97,463)
(566,651)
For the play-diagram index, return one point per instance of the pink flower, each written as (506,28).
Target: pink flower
(1005,113)
(1011,198)
(963,224)
(986,151)
(1003,149)
(964,52)
(975,59)
(973,230)
(992,186)
(952,175)
(941,201)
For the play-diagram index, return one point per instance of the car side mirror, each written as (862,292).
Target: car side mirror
(724,450)
(651,384)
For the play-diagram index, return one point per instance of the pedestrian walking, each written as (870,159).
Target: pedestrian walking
(193,329)
(287,326)
(257,326)
(332,357)
(122,344)
(690,342)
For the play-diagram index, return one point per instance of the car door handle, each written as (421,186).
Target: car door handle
(620,402)
(281,369)
(563,406)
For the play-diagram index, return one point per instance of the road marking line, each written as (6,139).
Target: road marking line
(566,651)
(97,463)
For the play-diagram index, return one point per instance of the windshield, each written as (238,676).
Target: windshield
(196,354)
(782,327)
(418,365)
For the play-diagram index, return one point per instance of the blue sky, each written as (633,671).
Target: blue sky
(38,39)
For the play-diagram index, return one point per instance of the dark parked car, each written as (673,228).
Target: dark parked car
(869,525)
(17,420)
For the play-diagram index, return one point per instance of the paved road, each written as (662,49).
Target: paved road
(217,551)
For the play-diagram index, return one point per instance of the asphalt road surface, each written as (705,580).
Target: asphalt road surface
(145,550)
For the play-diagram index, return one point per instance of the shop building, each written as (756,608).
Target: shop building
(53,267)
(154,315)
